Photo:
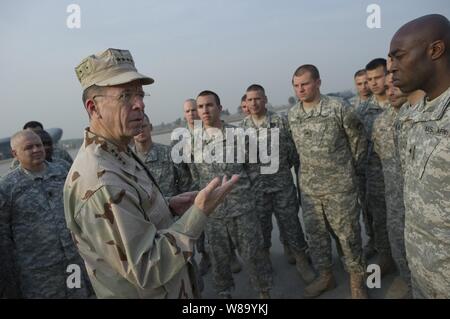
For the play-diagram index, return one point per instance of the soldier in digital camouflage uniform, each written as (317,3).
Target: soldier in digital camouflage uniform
(383,137)
(330,142)
(32,224)
(374,205)
(427,164)
(158,160)
(235,220)
(122,225)
(276,193)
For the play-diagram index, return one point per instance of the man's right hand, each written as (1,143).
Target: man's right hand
(213,194)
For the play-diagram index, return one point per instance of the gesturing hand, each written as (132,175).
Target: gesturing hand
(214,193)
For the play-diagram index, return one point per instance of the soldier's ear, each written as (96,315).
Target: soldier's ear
(92,108)
(14,153)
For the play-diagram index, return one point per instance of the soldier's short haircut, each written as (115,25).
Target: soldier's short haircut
(33,124)
(375,63)
(14,142)
(207,92)
(256,87)
(307,68)
(45,137)
(244,97)
(90,92)
(360,73)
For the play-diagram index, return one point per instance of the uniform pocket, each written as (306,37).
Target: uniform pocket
(425,156)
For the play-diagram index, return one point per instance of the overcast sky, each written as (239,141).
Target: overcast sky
(186,46)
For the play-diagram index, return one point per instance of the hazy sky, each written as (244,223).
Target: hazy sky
(186,46)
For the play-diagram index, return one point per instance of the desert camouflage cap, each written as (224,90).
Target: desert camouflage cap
(110,67)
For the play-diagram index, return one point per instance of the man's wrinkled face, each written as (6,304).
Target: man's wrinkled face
(29,151)
(256,102)
(121,110)
(146,132)
(306,88)
(377,80)
(190,112)
(362,85)
(208,110)
(409,65)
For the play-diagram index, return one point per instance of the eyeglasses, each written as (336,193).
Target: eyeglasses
(126,97)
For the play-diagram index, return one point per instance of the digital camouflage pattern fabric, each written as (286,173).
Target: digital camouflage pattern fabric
(427,198)
(33,232)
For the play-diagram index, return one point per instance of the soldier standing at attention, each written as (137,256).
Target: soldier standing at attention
(383,137)
(276,193)
(374,201)
(122,225)
(420,53)
(330,142)
(235,221)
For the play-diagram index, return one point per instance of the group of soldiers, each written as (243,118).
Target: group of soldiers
(135,216)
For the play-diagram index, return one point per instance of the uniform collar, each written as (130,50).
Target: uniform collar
(432,110)
(104,148)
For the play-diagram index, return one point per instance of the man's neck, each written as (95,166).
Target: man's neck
(381,98)
(144,147)
(312,104)
(122,142)
(36,168)
(364,98)
(217,125)
(437,85)
(259,117)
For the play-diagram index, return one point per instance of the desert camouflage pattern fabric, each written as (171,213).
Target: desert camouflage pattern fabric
(427,199)
(123,228)
(373,194)
(34,241)
(383,137)
(331,143)
(234,219)
(276,193)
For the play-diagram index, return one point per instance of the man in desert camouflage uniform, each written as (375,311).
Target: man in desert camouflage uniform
(121,223)
(276,193)
(362,88)
(374,205)
(33,231)
(383,137)
(330,142)
(235,220)
(420,53)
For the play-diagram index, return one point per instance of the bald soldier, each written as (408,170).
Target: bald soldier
(122,225)
(420,52)
(34,240)
(374,205)
(330,142)
(362,88)
(383,137)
